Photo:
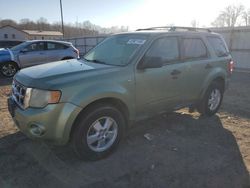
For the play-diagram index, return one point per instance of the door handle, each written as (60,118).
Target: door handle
(208,66)
(175,72)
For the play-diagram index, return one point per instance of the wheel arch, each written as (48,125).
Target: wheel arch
(11,61)
(117,103)
(6,62)
(216,77)
(221,80)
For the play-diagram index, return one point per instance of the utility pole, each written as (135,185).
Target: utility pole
(62,17)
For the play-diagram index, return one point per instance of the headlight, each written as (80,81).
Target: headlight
(40,98)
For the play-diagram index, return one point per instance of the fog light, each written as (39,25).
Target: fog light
(37,130)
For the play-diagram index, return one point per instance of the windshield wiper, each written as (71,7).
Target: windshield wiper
(95,61)
(98,61)
(223,54)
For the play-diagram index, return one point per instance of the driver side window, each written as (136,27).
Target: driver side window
(39,46)
(165,49)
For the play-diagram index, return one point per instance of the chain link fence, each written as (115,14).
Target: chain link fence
(238,41)
(84,44)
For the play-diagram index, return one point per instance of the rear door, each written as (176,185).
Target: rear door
(33,54)
(55,51)
(197,60)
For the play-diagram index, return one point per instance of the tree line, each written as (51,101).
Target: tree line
(77,29)
(233,15)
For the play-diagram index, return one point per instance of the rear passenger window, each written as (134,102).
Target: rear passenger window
(218,46)
(194,48)
(164,48)
(55,46)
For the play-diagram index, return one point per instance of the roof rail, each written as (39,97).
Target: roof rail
(176,28)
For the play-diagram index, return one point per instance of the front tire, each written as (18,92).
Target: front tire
(9,69)
(98,132)
(212,99)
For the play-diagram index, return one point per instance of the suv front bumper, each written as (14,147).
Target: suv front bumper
(52,123)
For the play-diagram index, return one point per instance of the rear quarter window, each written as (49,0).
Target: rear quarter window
(193,48)
(219,46)
(56,46)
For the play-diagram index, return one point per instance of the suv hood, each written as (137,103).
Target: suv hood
(49,75)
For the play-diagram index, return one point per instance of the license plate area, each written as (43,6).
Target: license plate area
(11,106)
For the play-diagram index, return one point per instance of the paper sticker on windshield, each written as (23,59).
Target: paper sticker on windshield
(136,41)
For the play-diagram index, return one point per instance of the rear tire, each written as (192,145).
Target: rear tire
(9,69)
(98,132)
(212,99)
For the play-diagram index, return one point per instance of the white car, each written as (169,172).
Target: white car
(34,52)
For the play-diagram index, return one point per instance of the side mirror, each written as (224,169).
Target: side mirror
(24,50)
(150,62)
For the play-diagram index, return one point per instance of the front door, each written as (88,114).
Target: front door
(33,54)
(157,89)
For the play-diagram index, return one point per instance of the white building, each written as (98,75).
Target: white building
(35,35)
(10,33)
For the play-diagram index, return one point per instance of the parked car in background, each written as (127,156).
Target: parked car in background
(34,52)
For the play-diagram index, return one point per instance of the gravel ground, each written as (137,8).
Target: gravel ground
(184,150)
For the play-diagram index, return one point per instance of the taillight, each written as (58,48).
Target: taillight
(231,66)
(77,52)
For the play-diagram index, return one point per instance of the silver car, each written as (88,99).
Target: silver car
(34,52)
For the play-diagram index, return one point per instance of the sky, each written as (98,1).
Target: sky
(132,13)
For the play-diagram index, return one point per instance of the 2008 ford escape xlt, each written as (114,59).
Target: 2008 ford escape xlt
(128,77)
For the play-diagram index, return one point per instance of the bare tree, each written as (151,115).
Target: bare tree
(246,17)
(220,21)
(85,28)
(8,22)
(194,23)
(25,23)
(43,24)
(229,17)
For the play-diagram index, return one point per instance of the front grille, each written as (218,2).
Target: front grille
(18,93)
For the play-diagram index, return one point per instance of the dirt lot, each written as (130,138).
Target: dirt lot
(185,151)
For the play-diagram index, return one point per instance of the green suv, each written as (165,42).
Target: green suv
(128,77)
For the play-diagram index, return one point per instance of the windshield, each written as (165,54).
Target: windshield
(19,46)
(116,50)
